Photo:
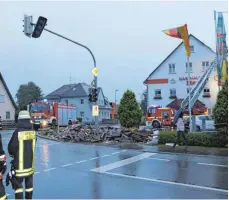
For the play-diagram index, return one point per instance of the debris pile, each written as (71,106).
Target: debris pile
(89,134)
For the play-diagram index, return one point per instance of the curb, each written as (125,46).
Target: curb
(187,154)
(144,150)
(46,137)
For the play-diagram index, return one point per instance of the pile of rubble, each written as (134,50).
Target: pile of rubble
(91,134)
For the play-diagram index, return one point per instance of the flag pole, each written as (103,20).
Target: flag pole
(189,96)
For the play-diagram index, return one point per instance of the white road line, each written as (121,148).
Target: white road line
(36,172)
(123,150)
(50,169)
(167,182)
(122,162)
(81,161)
(104,156)
(116,152)
(159,159)
(94,158)
(67,165)
(212,164)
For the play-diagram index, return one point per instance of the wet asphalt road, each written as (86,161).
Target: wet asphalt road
(65,170)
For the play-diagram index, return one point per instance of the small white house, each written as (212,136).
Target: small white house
(7,104)
(169,80)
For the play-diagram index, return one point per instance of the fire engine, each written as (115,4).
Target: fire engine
(45,113)
(157,116)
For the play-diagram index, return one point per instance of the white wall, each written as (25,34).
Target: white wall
(7,106)
(201,53)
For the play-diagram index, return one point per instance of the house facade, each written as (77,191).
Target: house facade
(7,103)
(169,80)
(78,95)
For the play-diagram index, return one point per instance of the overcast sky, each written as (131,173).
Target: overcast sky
(125,37)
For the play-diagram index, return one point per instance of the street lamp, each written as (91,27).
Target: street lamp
(115,95)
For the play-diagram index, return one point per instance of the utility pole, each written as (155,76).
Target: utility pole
(115,95)
(36,33)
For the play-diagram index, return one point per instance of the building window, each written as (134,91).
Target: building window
(172,93)
(172,68)
(206,92)
(82,114)
(187,90)
(192,48)
(190,67)
(82,101)
(2,99)
(157,94)
(205,64)
(7,115)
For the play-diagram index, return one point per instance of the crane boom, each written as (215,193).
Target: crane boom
(198,87)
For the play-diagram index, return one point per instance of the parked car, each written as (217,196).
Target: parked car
(208,121)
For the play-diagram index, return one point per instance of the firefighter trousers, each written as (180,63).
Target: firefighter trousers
(2,191)
(18,187)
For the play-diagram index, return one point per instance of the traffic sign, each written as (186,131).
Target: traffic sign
(95,110)
(95,71)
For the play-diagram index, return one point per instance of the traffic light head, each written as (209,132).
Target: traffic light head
(41,22)
(28,27)
(90,98)
(95,94)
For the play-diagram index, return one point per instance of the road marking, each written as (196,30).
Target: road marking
(104,156)
(166,182)
(50,169)
(122,162)
(81,161)
(94,158)
(212,164)
(116,152)
(67,165)
(159,159)
(36,172)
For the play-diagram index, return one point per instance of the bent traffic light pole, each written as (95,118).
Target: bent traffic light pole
(77,43)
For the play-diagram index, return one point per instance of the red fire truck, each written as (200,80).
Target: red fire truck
(157,116)
(49,113)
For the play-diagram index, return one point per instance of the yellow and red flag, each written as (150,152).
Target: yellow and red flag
(182,33)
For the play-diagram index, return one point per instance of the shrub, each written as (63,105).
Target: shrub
(129,111)
(166,137)
(220,111)
(79,119)
(195,139)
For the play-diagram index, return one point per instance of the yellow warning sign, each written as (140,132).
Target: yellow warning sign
(95,110)
(95,71)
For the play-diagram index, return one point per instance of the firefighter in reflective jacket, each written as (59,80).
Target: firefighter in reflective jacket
(2,170)
(22,148)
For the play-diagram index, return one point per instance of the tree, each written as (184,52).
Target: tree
(28,93)
(129,111)
(143,103)
(220,111)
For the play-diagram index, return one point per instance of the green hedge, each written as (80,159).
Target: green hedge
(195,139)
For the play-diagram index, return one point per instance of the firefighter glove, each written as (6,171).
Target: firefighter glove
(10,177)
(3,166)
